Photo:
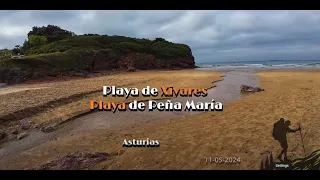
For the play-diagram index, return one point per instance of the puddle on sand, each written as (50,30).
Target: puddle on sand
(225,91)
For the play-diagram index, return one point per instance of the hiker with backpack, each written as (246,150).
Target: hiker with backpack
(280,130)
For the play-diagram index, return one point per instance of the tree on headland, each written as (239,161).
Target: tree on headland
(35,40)
(39,36)
(51,32)
(17,50)
(92,35)
(160,40)
(26,45)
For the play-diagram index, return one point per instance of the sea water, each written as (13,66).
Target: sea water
(268,64)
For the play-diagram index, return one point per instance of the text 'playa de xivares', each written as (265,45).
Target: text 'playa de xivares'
(160,105)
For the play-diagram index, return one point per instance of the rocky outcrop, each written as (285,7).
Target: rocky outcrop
(2,134)
(143,61)
(46,129)
(25,123)
(22,135)
(12,76)
(130,62)
(74,161)
(246,88)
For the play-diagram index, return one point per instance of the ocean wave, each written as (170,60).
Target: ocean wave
(207,65)
(236,65)
(255,64)
(314,64)
(282,65)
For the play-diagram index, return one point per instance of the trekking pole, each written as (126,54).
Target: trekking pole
(304,150)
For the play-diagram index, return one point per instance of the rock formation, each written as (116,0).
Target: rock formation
(74,161)
(246,88)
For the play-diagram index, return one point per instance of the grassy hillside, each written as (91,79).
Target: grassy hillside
(85,53)
(120,44)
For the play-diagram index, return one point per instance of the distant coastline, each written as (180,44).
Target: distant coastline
(270,64)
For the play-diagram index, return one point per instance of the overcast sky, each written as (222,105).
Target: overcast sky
(213,36)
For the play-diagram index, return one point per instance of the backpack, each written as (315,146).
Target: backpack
(277,128)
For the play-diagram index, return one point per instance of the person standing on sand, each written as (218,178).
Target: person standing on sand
(280,130)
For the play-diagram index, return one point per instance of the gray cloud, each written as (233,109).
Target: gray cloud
(212,35)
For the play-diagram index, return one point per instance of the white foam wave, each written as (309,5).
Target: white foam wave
(256,65)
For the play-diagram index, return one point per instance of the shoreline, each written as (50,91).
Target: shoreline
(259,69)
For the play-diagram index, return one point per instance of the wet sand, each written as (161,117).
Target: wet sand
(225,91)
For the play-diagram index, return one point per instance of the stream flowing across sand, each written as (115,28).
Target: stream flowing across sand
(226,90)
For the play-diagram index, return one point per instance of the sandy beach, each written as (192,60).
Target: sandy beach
(242,130)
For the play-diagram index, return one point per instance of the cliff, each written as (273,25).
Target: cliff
(88,53)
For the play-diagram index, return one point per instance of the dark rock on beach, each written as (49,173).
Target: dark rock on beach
(74,161)
(35,126)
(14,131)
(22,135)
(25,123)
(26,126)
(47,129)
(2,135)
(246,88)
(12,136)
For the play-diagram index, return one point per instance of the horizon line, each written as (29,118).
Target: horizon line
(253,61)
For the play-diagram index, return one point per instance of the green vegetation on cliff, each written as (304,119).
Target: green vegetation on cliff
(51,50)
(5,54)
